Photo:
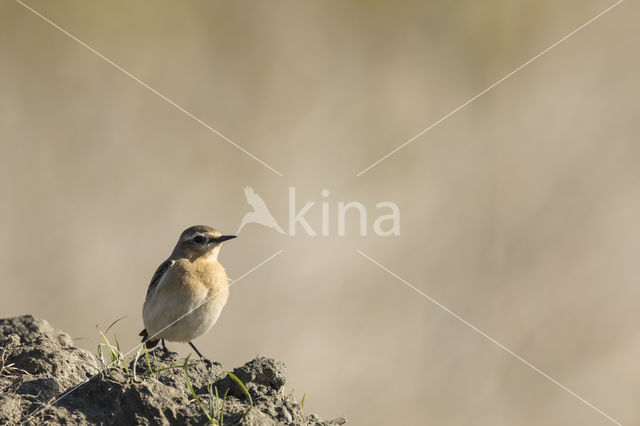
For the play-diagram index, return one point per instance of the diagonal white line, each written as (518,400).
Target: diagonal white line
(491,339)
(489,88)
(146,86)
(44,407)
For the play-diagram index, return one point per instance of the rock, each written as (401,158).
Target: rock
(41,365)
(259,375)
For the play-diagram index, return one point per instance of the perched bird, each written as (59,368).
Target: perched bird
(260,214)
(188,290)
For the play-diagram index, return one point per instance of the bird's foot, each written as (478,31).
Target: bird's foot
(197,351)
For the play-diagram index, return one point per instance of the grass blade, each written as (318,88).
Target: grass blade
(242,386)
(146,354)
(135,362)
(114,323)
(120,357)
(193,392)
(244,390)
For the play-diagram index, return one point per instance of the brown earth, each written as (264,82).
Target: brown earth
(40,364)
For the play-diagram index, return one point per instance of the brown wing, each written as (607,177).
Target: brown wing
(162,269)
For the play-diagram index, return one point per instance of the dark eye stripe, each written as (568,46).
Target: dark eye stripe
(199,239)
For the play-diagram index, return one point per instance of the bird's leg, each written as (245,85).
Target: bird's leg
(164,346)
(197,351)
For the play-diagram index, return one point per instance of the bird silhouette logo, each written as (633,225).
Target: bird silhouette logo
(260,214)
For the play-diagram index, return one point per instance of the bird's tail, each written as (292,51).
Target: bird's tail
(148,343)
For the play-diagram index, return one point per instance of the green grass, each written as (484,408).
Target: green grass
(114,351)
(111,357)
(116,360)
(215,409)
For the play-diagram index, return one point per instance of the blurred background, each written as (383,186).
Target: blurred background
(520,213)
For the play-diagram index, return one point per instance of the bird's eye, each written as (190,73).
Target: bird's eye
(199,239)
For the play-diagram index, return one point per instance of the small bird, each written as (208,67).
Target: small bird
(260,214)
(191,284)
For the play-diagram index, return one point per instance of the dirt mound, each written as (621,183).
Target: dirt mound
(40,364)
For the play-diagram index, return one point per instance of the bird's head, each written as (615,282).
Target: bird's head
(200,240)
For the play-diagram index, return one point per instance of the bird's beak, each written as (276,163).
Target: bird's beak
(224,238)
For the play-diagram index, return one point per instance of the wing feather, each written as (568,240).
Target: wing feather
(162,269)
